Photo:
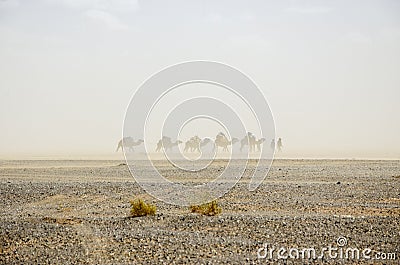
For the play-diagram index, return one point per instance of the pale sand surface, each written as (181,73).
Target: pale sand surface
(77,212)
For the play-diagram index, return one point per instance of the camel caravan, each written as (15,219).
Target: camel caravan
(195,143)
(251,141)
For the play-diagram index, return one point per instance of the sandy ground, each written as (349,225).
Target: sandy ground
(77,212)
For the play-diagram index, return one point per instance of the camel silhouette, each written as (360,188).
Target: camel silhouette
(249,140)
(128,142)
(222,141)
(166,143)
(195,143)
(258,143)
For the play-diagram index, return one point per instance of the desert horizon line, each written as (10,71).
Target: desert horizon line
(159,157)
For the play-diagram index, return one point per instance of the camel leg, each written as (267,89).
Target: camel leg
(119,145)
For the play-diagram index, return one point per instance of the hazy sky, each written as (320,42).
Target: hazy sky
(330,69)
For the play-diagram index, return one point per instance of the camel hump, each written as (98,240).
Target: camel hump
(127,140)
(221,137)
(195,139)
(166,139)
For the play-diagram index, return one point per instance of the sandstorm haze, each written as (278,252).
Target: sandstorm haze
(329,70)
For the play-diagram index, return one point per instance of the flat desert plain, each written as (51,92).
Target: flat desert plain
(77,212)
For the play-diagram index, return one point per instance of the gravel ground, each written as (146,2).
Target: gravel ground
(77,212)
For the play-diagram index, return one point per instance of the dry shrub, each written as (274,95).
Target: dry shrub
(140,208)
(209,209)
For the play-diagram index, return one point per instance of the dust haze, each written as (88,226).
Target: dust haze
(329,71)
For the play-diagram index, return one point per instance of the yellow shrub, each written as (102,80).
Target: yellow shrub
(209,209)
(140,208)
